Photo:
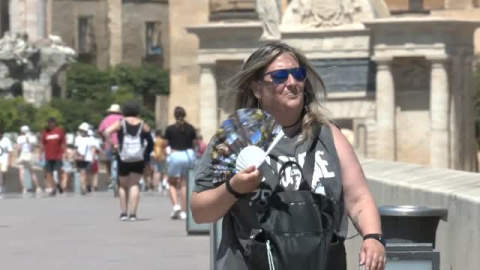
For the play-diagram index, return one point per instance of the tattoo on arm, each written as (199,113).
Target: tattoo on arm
(356,222)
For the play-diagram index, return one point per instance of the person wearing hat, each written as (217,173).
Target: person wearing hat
(25,147)
(114,114)
(53,146)
(85,150)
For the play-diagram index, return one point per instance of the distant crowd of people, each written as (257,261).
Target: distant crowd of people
(131,152)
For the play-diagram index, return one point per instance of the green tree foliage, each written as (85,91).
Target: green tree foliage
(16,112)
(90,92)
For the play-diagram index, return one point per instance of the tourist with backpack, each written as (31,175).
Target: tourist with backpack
(134,143)
(291,212)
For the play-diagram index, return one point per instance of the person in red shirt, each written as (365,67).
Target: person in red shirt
(53,147)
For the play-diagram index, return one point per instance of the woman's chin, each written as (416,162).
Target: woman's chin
(294,102)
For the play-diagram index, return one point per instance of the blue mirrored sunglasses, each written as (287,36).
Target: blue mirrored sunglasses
(279,76)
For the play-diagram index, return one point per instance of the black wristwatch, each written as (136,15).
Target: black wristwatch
(232,191)
(377,237)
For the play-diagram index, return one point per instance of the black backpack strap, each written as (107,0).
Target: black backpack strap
(309,164)
(139,133)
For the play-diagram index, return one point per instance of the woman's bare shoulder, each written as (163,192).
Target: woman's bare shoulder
(146,127)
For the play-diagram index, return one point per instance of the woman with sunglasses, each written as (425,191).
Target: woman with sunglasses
(280,80)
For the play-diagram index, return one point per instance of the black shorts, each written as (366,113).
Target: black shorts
(125,168)
(82,165)
(52,165)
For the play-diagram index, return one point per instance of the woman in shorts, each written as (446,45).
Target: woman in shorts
(25,147)
(181,138)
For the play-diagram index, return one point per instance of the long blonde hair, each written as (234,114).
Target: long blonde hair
(314,114)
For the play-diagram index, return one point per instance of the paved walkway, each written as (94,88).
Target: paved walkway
(84,233)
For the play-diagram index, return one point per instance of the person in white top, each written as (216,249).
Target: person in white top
(85,150)
(5,158)
(93,168)
(26,143)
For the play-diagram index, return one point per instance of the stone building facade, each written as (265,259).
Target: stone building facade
(390,68)
(110,32)
(102,32)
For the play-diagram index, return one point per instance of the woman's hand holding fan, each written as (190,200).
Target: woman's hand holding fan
(243,140)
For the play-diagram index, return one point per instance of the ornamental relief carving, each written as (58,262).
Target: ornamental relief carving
(317,14)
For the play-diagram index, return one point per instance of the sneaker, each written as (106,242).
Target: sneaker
(38,191)
(132,218)
(175,211)
(123,217)
(111,185)
(183,215)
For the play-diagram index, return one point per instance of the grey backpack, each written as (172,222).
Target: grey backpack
(132,148)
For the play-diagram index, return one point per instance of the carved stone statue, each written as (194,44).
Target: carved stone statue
(31,65)
(269,13)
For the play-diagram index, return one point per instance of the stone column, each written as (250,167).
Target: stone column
(48,17)
(439,114)
(115,32)
(208,100)
(470,146)
(386,117)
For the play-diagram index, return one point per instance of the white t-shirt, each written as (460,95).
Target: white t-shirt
(5,148)
(84,147)
(26,143)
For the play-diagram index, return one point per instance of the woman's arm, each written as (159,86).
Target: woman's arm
(211,205)
(149,138)
(359,202)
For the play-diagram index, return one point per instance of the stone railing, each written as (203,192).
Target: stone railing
(458,235)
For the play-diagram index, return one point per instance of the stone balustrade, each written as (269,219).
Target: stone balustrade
(458,235)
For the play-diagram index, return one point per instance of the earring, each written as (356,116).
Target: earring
(305,101)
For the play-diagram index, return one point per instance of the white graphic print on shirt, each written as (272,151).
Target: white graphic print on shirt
(292,176)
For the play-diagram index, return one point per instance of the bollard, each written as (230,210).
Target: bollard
(28,180)
(191,226)
(215,237)
(77,187)
(409,232)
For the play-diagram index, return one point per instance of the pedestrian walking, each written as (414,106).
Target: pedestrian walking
(93,168)
(53,147)
(26,143)
(181,138)
(114,114)
(84,155)
(159,161)
(134,143)
(5,159)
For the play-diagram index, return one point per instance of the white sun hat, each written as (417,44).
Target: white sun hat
(114,108)
(84,127)
(24,129)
